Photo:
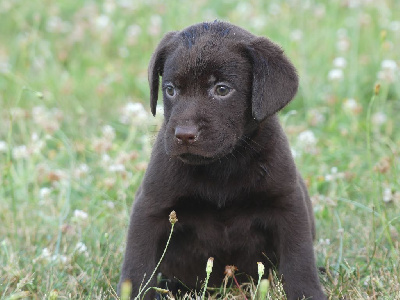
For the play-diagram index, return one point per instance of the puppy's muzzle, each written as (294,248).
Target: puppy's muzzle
(186,135)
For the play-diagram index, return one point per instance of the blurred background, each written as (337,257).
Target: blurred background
(76,134)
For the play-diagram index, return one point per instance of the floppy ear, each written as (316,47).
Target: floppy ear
(156,67)
(275,79)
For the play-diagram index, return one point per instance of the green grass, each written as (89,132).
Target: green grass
(67,179)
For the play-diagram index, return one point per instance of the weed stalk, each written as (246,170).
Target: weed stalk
(261,270)
(172,219)
(209,267)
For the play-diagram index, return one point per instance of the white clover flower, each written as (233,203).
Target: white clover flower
(59,258)
(116,168)
(48,120)
(379,118)
(109,6)
(160,110)
(258,22)
(387,195)
(109,204)
(5,6)
(334,175)
(367,280)
(20,152)
(354,3)
(316,117)
(394,26)
(307,138)
(320,10)
(46,253)
(105,159)
(102,21)
(324,241)
(335,74)
(388,70)
(294,152)
(296,35)
(3,146)
(5,65)
(343,44)
(132,33)
(155,25)
(351,105)
(133,113)
(329,177)
(108,132)
(38,113)
(56,24)
(386,75)
(37,144)
(17,113)
(101,145)
(340,62)
(80,214)
(81,171)
(127,4)
(44,193)
(389,64)
(81,248)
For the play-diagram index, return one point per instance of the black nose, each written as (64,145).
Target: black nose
(186,134)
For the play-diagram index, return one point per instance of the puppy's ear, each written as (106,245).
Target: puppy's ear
(156,67)
(275,79)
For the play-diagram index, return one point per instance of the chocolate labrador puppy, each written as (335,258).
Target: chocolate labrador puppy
(223,163)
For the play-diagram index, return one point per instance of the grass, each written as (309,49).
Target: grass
(74,139)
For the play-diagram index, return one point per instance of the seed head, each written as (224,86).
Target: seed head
(172,217)
(230,271)
(126,289)
(377,88)
(160,290)
(210,264)
(53,295)
(261,269)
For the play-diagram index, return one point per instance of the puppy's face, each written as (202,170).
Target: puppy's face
(207,94)
(217,81)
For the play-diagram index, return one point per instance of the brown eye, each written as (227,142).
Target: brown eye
(222,90)
(170,90)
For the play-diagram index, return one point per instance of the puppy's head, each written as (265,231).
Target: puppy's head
(217,81)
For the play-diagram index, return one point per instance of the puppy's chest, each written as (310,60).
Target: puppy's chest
(227,229)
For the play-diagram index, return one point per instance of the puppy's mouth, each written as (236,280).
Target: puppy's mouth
(194,159)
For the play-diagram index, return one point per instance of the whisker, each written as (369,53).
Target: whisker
(254,142)
(236,150)
(252,148)
(265,169)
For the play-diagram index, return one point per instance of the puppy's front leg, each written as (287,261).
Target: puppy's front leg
(296,253)
(141,251)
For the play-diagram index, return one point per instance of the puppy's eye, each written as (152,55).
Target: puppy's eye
(222,90)
(170,90)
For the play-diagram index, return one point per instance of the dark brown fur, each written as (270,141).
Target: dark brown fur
(223,163)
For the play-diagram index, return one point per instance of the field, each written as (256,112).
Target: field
(76,134)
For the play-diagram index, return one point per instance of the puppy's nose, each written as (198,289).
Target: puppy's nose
(186,134)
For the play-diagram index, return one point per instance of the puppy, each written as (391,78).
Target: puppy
(223,163)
